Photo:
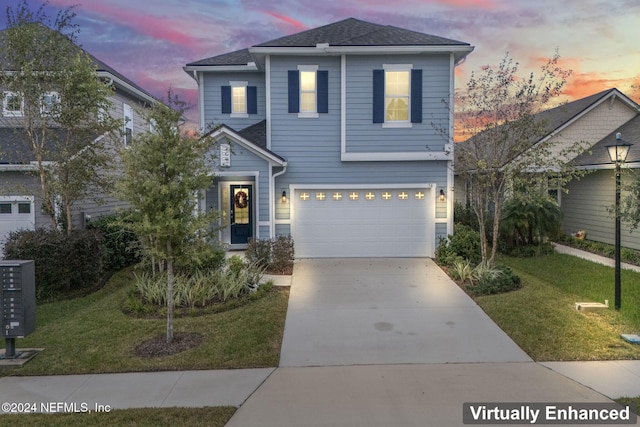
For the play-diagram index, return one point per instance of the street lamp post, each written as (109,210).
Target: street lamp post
(618,154)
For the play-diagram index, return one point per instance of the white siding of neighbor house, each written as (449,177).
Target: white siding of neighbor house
(585,207)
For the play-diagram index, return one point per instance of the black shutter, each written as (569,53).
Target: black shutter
(226,99)
(378,96)
(416,96)
(322,85)
(252,100)
(294,91)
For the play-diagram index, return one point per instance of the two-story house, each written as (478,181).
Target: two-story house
(334,135)
(20,192)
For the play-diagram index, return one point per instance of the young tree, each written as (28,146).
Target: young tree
(63,104)
(164,170)
(505,152)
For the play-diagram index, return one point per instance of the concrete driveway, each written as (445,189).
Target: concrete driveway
(373,311)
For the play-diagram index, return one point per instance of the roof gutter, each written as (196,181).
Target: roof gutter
(127,87)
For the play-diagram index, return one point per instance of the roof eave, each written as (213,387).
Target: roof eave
(251,66)
(326,49)
(261,152)
(128,87)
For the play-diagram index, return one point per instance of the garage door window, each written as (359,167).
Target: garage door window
(24,208)
(5,208)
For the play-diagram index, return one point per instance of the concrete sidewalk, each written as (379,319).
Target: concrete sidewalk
(599,259)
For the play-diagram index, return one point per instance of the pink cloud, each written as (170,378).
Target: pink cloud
(142,22)
(297,25)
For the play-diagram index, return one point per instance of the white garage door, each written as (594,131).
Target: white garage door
(15,213)
(362,223)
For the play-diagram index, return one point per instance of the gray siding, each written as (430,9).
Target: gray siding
(441,232)
(585,208)
(213,100)
(365,136)
(312,146)
(244,160)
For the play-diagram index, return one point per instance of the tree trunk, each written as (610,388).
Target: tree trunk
(69,217)
(496,227)
(169,292)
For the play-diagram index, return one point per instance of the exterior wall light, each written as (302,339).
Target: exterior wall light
(442,196)
(284,196)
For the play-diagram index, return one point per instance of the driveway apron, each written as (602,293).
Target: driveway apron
(374,311)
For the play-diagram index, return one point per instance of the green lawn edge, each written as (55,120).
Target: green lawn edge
(92,335)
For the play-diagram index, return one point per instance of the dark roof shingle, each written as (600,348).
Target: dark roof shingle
(348,32)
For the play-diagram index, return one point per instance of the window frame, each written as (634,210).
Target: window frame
(128,124)
(5,103)
(236,113)
(45,108)
(394,68)
(308,114)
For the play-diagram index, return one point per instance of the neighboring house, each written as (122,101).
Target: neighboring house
(593,120)
(328,135)
(20,192)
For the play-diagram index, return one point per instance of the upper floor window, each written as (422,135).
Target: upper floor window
(239,99)
(308,91)
(49,100)
(397,95)
(12,104)
(128,124)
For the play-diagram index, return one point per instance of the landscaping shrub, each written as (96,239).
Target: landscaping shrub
(445,255)
(275,255)
(463,243)
(63,263)
(462,271)
(122,246)
(465,215)
(494,280)
(199,289)
(529,251)
(529,220)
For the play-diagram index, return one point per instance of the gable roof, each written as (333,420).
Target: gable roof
(354,32)
(254,138)
(103,70)
(556,119)
(334,38)
(598,156)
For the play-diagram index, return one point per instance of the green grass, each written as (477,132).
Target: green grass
(93,335)
(151,417)
(542,319)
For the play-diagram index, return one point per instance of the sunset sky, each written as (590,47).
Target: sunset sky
(150,41)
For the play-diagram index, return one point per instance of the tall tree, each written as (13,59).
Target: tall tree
(164,169)
(63,105)
(505,152)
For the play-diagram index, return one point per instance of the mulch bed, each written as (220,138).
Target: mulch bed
(158,346)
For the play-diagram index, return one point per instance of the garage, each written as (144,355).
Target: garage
(16,213)
(363,222)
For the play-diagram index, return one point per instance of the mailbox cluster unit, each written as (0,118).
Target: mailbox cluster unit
(17,298)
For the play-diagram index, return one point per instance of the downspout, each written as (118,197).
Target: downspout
(272,195)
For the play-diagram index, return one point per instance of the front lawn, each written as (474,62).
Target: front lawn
(143,417)
(93,335)
(541,317)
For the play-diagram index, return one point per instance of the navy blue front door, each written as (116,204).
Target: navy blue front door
(241,213)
